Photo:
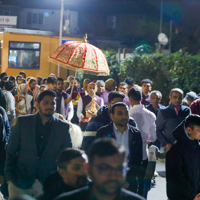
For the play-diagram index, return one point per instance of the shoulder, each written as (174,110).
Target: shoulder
(185,108)
(75,194)
(105,128)
(60,122)
(130,195)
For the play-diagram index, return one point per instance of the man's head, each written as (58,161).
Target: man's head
(107,167)
(44,82)
(76,82)
(71,167)
(91,89)
(120,114)
(52,75)
(114,97)
(22,73)
(51,83)
(43,88)
(60,83)
(130,82)
(135,96)
(155,97)
(22,80)
(123,87)
(65,85)
(190,97)
(176,96)
(12,78)
(100,86)
(192,126)
(110,84)
(18,77)
(46,103)
(9,85)
(146,85)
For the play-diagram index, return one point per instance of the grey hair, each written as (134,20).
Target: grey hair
(157,92)
(176,90)
(101,82)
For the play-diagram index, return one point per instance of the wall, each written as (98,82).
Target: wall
(48,45)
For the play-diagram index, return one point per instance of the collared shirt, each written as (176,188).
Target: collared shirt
(177,109)
(42,136)
(151,108)
(122,139)
(146,124)
(10,104)
(145,99)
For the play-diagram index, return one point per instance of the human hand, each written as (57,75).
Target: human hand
(167,147)
(23,113)
(83,119)
(68,100)
(1,180)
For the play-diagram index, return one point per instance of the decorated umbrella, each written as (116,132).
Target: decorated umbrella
(77,55)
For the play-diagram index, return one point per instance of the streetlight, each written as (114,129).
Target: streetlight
(61,28)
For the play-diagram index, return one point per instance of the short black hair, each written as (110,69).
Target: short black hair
(5,78)
(60,79)
(135,94)
(129,81)
(77,79)
(115,94)
(147,81)
(22,73)
(123,83)
(11,78)
(117,104)
(3,74)
(65,156)
(44,79)
(44,94)
(9,85)
(103,147)
(192,120)
(51,80)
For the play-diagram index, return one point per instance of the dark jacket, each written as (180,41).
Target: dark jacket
(85,193)
(23,166)
(183,167)
(101,119)
(54,186)
(167,120)
(135,147)
(2,99)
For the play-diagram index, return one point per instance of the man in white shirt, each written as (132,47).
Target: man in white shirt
(10,101)
(88,104)
(146,124)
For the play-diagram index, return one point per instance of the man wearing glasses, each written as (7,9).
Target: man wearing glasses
(107,169)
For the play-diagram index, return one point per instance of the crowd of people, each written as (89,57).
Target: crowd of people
(60,141)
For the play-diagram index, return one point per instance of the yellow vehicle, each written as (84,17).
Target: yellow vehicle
(28,51)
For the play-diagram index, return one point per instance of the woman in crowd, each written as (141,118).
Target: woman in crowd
(33,90)
(85,84)
(22,73)
(39,80)
(22,102)
(44,82)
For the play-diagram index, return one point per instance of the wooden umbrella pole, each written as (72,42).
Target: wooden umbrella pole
(72,90)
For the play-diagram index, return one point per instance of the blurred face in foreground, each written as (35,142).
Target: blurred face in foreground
(74,173)
(193,133)
(108,174)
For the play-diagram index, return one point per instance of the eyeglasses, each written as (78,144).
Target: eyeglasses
(106,170)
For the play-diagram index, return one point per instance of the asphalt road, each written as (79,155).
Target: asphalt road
(159,192)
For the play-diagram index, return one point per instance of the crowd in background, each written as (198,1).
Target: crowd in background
(129,114)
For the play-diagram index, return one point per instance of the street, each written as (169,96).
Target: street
(159,191)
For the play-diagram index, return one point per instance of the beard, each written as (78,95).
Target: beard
(81,181)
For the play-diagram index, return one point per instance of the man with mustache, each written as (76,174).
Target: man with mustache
(107,169)
(34,144)
(71,174)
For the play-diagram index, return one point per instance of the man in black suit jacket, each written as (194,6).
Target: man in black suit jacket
(128,136)
(34,144)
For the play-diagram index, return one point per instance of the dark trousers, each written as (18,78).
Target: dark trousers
(141,177)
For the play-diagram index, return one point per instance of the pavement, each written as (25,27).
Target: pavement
(159,191)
